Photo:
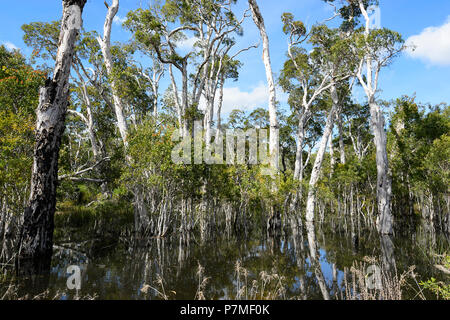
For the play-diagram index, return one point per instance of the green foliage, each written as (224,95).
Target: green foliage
(43,38)
(418,138)
(150,149)
(19,93)
(381,45)
(441,289)
(419,145)
(290,26)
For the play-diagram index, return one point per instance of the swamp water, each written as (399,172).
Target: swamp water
(309,265)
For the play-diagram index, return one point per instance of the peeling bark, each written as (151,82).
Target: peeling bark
(384,185)
(105,45)
(298,167)
(36,239)
(311,201)
(274,135)
(341,140)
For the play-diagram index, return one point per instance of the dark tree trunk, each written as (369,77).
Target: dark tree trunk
(36,238)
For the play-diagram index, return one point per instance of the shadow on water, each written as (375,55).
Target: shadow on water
(311,260)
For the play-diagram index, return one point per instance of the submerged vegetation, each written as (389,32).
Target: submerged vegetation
(362,176)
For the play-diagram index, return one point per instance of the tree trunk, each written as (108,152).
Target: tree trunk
(219,105)
(184,99)
(89,120)
(209,115)
(274,137)
(332,160)
(310,204)
(384,188)
(341,139)
(315,260)
(36,240)
(298,167)
(105,45)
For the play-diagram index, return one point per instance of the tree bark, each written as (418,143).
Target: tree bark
(298,167)
(384,186)
(105,45)
(341,140)
(89,120)
(311,201)
(274,136)
(36,239)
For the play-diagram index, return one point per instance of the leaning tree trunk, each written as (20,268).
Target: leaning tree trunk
(105,45)
(298,166)
(384,188)
(314,258)
(311,201)
(341,139)
(36,239)
(275,218)
(274,137)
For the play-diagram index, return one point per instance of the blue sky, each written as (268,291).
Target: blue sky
(425,72)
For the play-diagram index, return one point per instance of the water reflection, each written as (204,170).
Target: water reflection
(311,260)
(314,258)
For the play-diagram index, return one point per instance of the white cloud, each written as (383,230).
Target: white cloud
(10,45)
(187,44)
(431,45)
(235,98)
(119,20)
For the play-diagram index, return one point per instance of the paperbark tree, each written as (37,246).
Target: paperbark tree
(88,119)
(341,139)
(309,76)
(225,68)
(302,77)
(377,48)
(36,240)
(333,55)
(162,30)
(274,134)
(154,76)
(105,44)
(315,174)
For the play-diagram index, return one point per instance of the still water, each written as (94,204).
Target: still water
(303,266)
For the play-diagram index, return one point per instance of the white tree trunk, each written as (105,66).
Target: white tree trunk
(89,120)
(91,131)
(219,106)
(176,100)
(184,98)
(36,239)
(90,128)
(274,136)
(298,166)
(332,160)
(315,260)
(384,187)
(311,201)
(341,139)
(105,45)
